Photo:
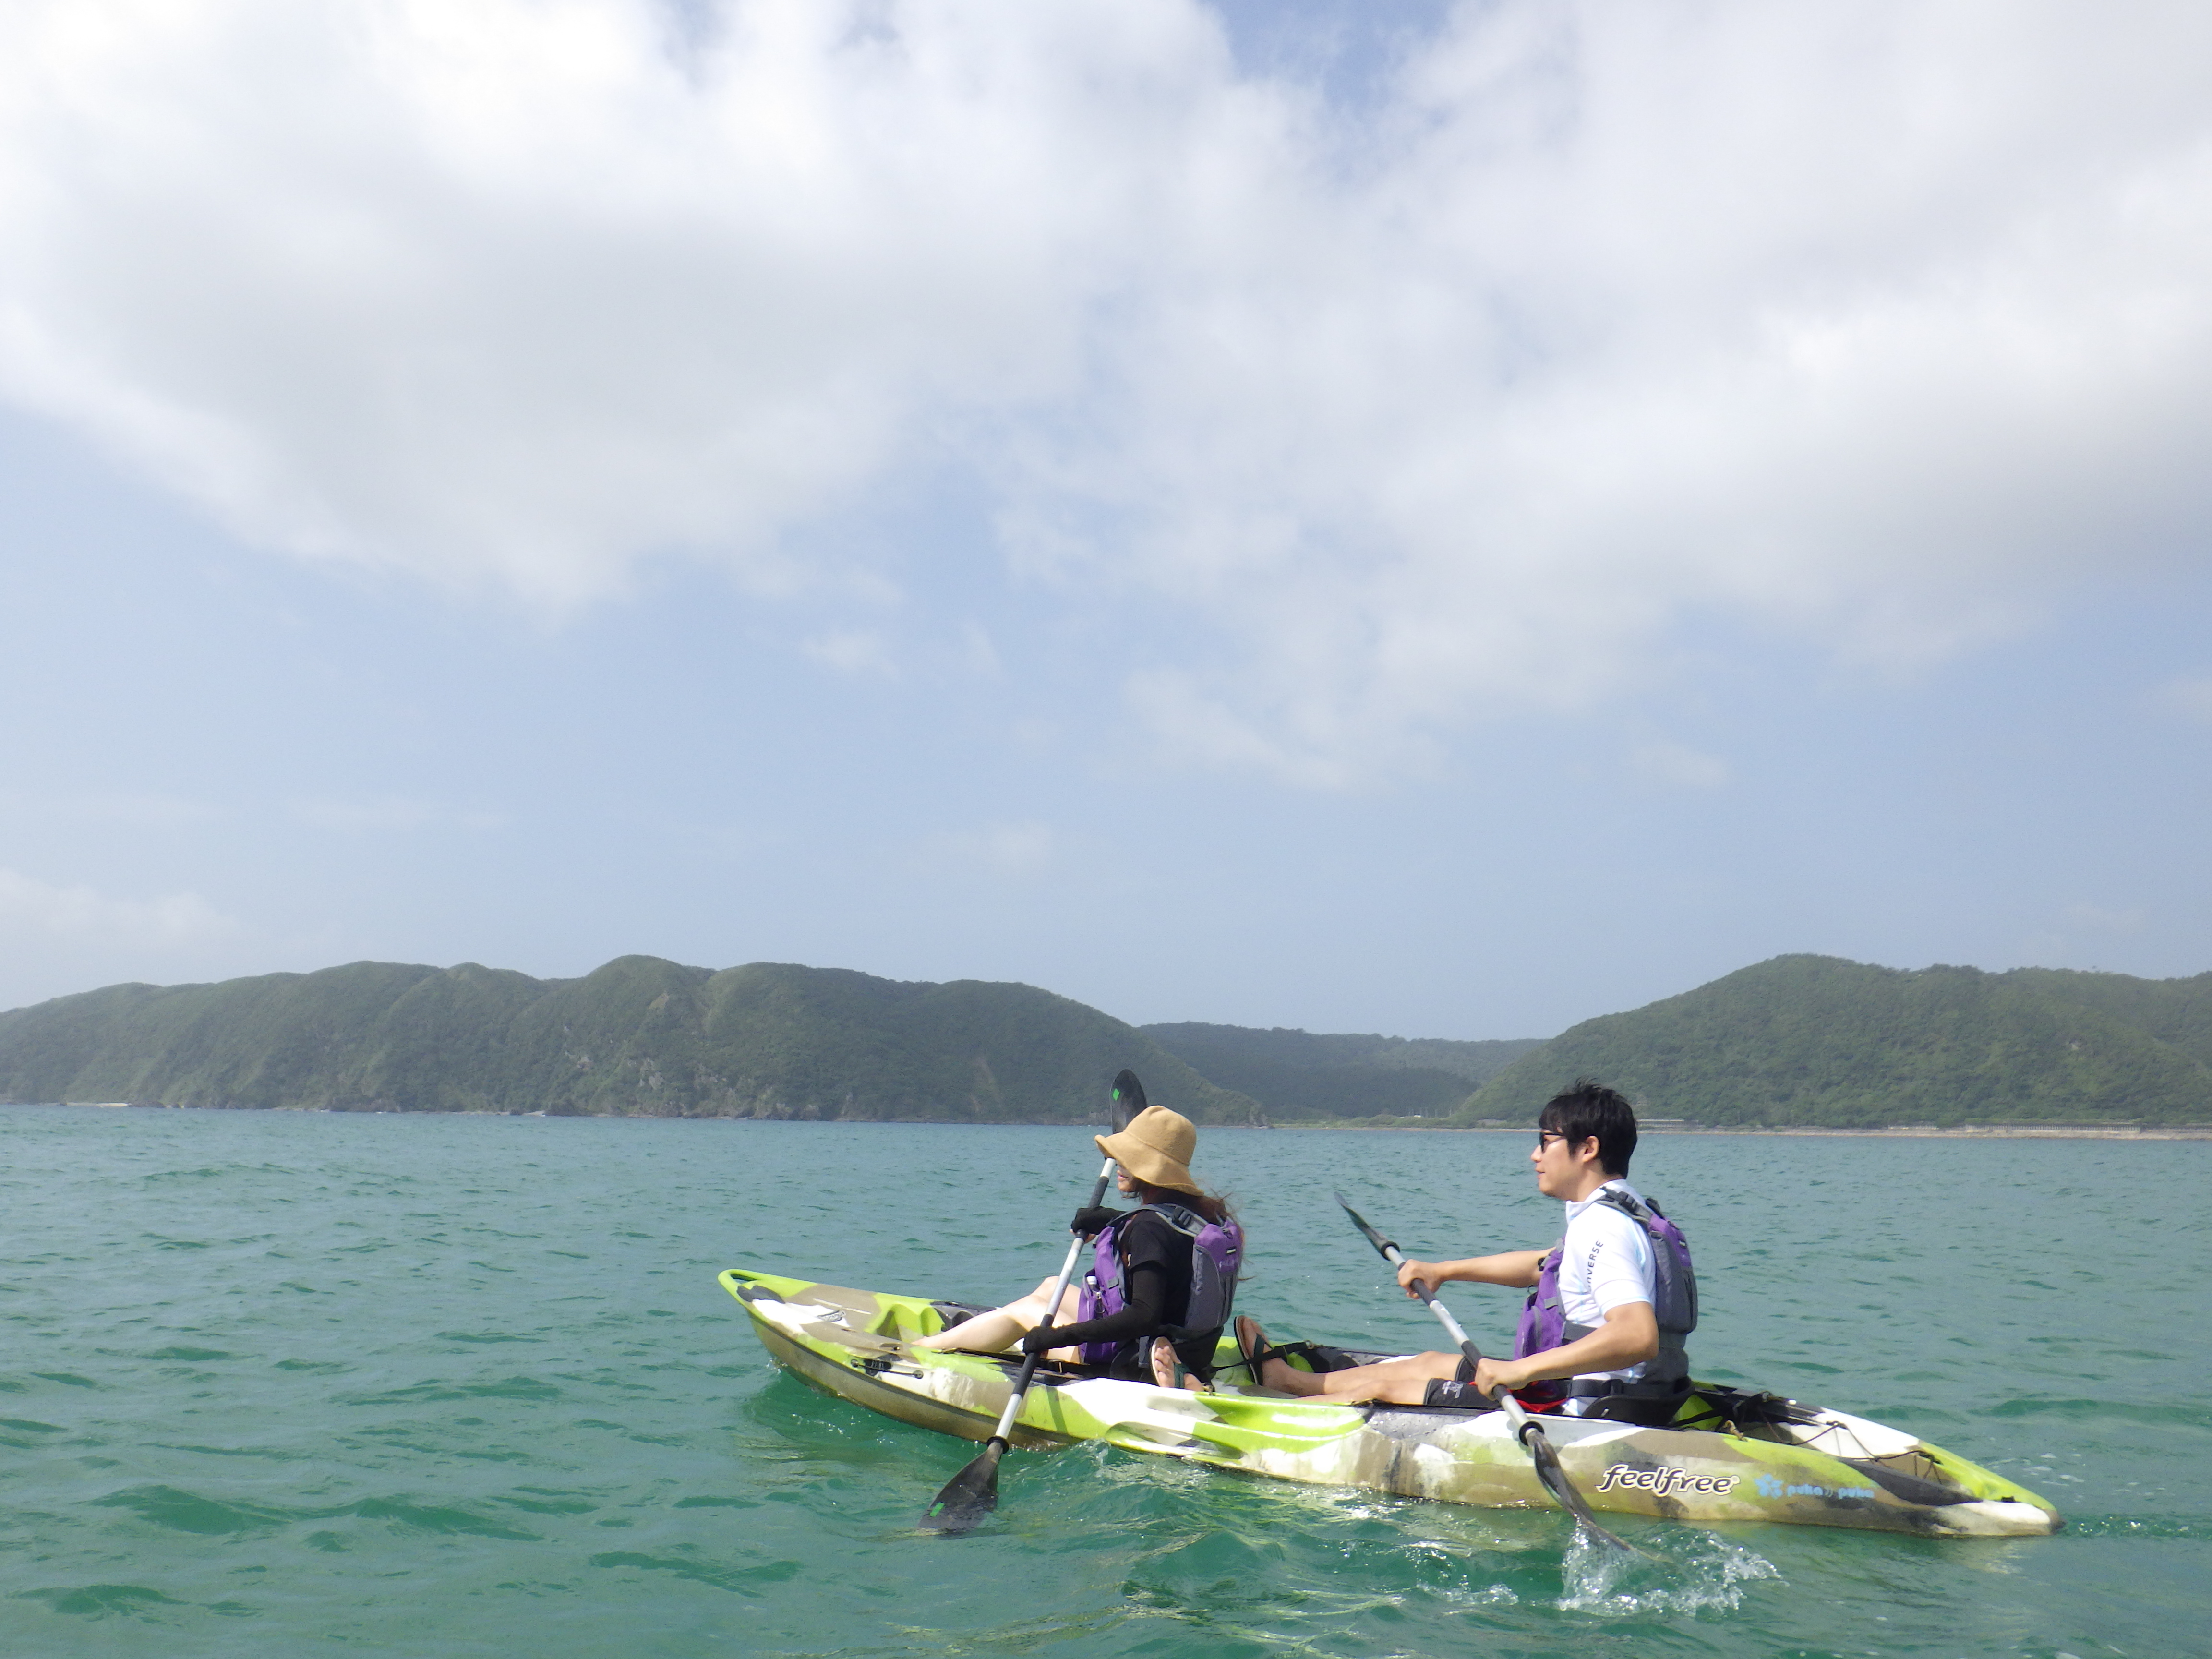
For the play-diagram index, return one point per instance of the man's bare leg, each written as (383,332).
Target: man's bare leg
(1394,1382)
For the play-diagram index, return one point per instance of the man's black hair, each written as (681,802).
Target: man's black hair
(1588,1108)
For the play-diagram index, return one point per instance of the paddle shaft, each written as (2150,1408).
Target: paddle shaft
(1516,1414)
(1051,1312)
(973,1492)
(1390,1253)
(1526,1429)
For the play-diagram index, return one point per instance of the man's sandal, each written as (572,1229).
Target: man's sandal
(1251,1345)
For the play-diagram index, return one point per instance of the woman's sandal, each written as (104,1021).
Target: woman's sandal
(1169,1372)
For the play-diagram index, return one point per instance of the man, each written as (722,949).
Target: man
(1602,1334)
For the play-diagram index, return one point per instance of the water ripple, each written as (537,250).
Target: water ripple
(285,1382)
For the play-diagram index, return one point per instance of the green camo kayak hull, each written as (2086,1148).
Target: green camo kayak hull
(1829,1470)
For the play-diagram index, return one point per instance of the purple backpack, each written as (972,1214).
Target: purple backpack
(1673,1286)
(1216,1250)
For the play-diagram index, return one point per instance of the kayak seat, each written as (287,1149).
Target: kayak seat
(1642,1414)
(1756,1416)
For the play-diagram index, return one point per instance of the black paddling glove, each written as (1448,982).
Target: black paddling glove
(1148,1295)
(1091,1223)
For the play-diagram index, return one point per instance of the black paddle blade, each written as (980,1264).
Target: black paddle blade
(1128,1097)
(968,1496)
(1382,1245)
(1554,1475)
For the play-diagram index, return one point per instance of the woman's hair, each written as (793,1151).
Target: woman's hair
(1212,1208)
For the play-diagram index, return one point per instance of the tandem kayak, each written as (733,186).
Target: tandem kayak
(1728,1455)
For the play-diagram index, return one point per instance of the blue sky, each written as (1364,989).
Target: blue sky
(1437,520)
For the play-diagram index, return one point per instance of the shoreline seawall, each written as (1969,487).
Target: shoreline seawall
(1926,1131)
(1929,1131)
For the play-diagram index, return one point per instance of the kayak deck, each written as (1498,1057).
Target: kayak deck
(1800,1465)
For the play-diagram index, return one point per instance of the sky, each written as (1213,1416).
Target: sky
(1444,520)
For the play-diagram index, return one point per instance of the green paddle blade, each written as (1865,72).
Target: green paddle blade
(968,1496)
(1128,1097)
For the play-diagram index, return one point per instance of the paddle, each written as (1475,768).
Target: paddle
(973,1492)
(1526,1429)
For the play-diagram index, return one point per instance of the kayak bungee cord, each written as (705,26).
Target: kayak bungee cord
(973,1492)
(1526,1429)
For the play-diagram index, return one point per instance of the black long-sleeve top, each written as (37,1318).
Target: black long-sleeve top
(1156,1278)
(1140,1315)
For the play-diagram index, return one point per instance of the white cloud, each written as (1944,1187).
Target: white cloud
(388,814)
(1876,323)
(508,292)
(148,811)
(1680,768)
(976,655)
(2192,696)
(1012,849)
(35,913)
(853,651)
(2099,919)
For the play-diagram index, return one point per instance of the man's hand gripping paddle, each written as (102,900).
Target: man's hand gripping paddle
(1526,1429)
(973,1492)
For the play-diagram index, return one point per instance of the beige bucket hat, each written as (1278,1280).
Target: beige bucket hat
(1156,1148)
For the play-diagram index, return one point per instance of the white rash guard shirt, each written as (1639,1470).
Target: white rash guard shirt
(1605,1264)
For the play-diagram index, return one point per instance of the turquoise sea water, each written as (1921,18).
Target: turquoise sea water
(276,1384)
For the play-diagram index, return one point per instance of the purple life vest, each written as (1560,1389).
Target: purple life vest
(1216,1250)
(1544,1323)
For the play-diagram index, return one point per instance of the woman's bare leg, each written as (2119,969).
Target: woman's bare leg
(1000,1328)
(987,1333)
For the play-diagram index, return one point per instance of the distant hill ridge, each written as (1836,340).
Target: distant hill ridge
(639,1035)
(1304,1074)
(1812,1040)
(1797,1041)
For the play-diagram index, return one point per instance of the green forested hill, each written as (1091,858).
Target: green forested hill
(1306,1074)
(1798,1040)
(1817,1040)
(639,1035)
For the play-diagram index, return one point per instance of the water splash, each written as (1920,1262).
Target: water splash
(1693,1572)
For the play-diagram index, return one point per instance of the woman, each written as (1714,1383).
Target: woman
(1161,1280)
